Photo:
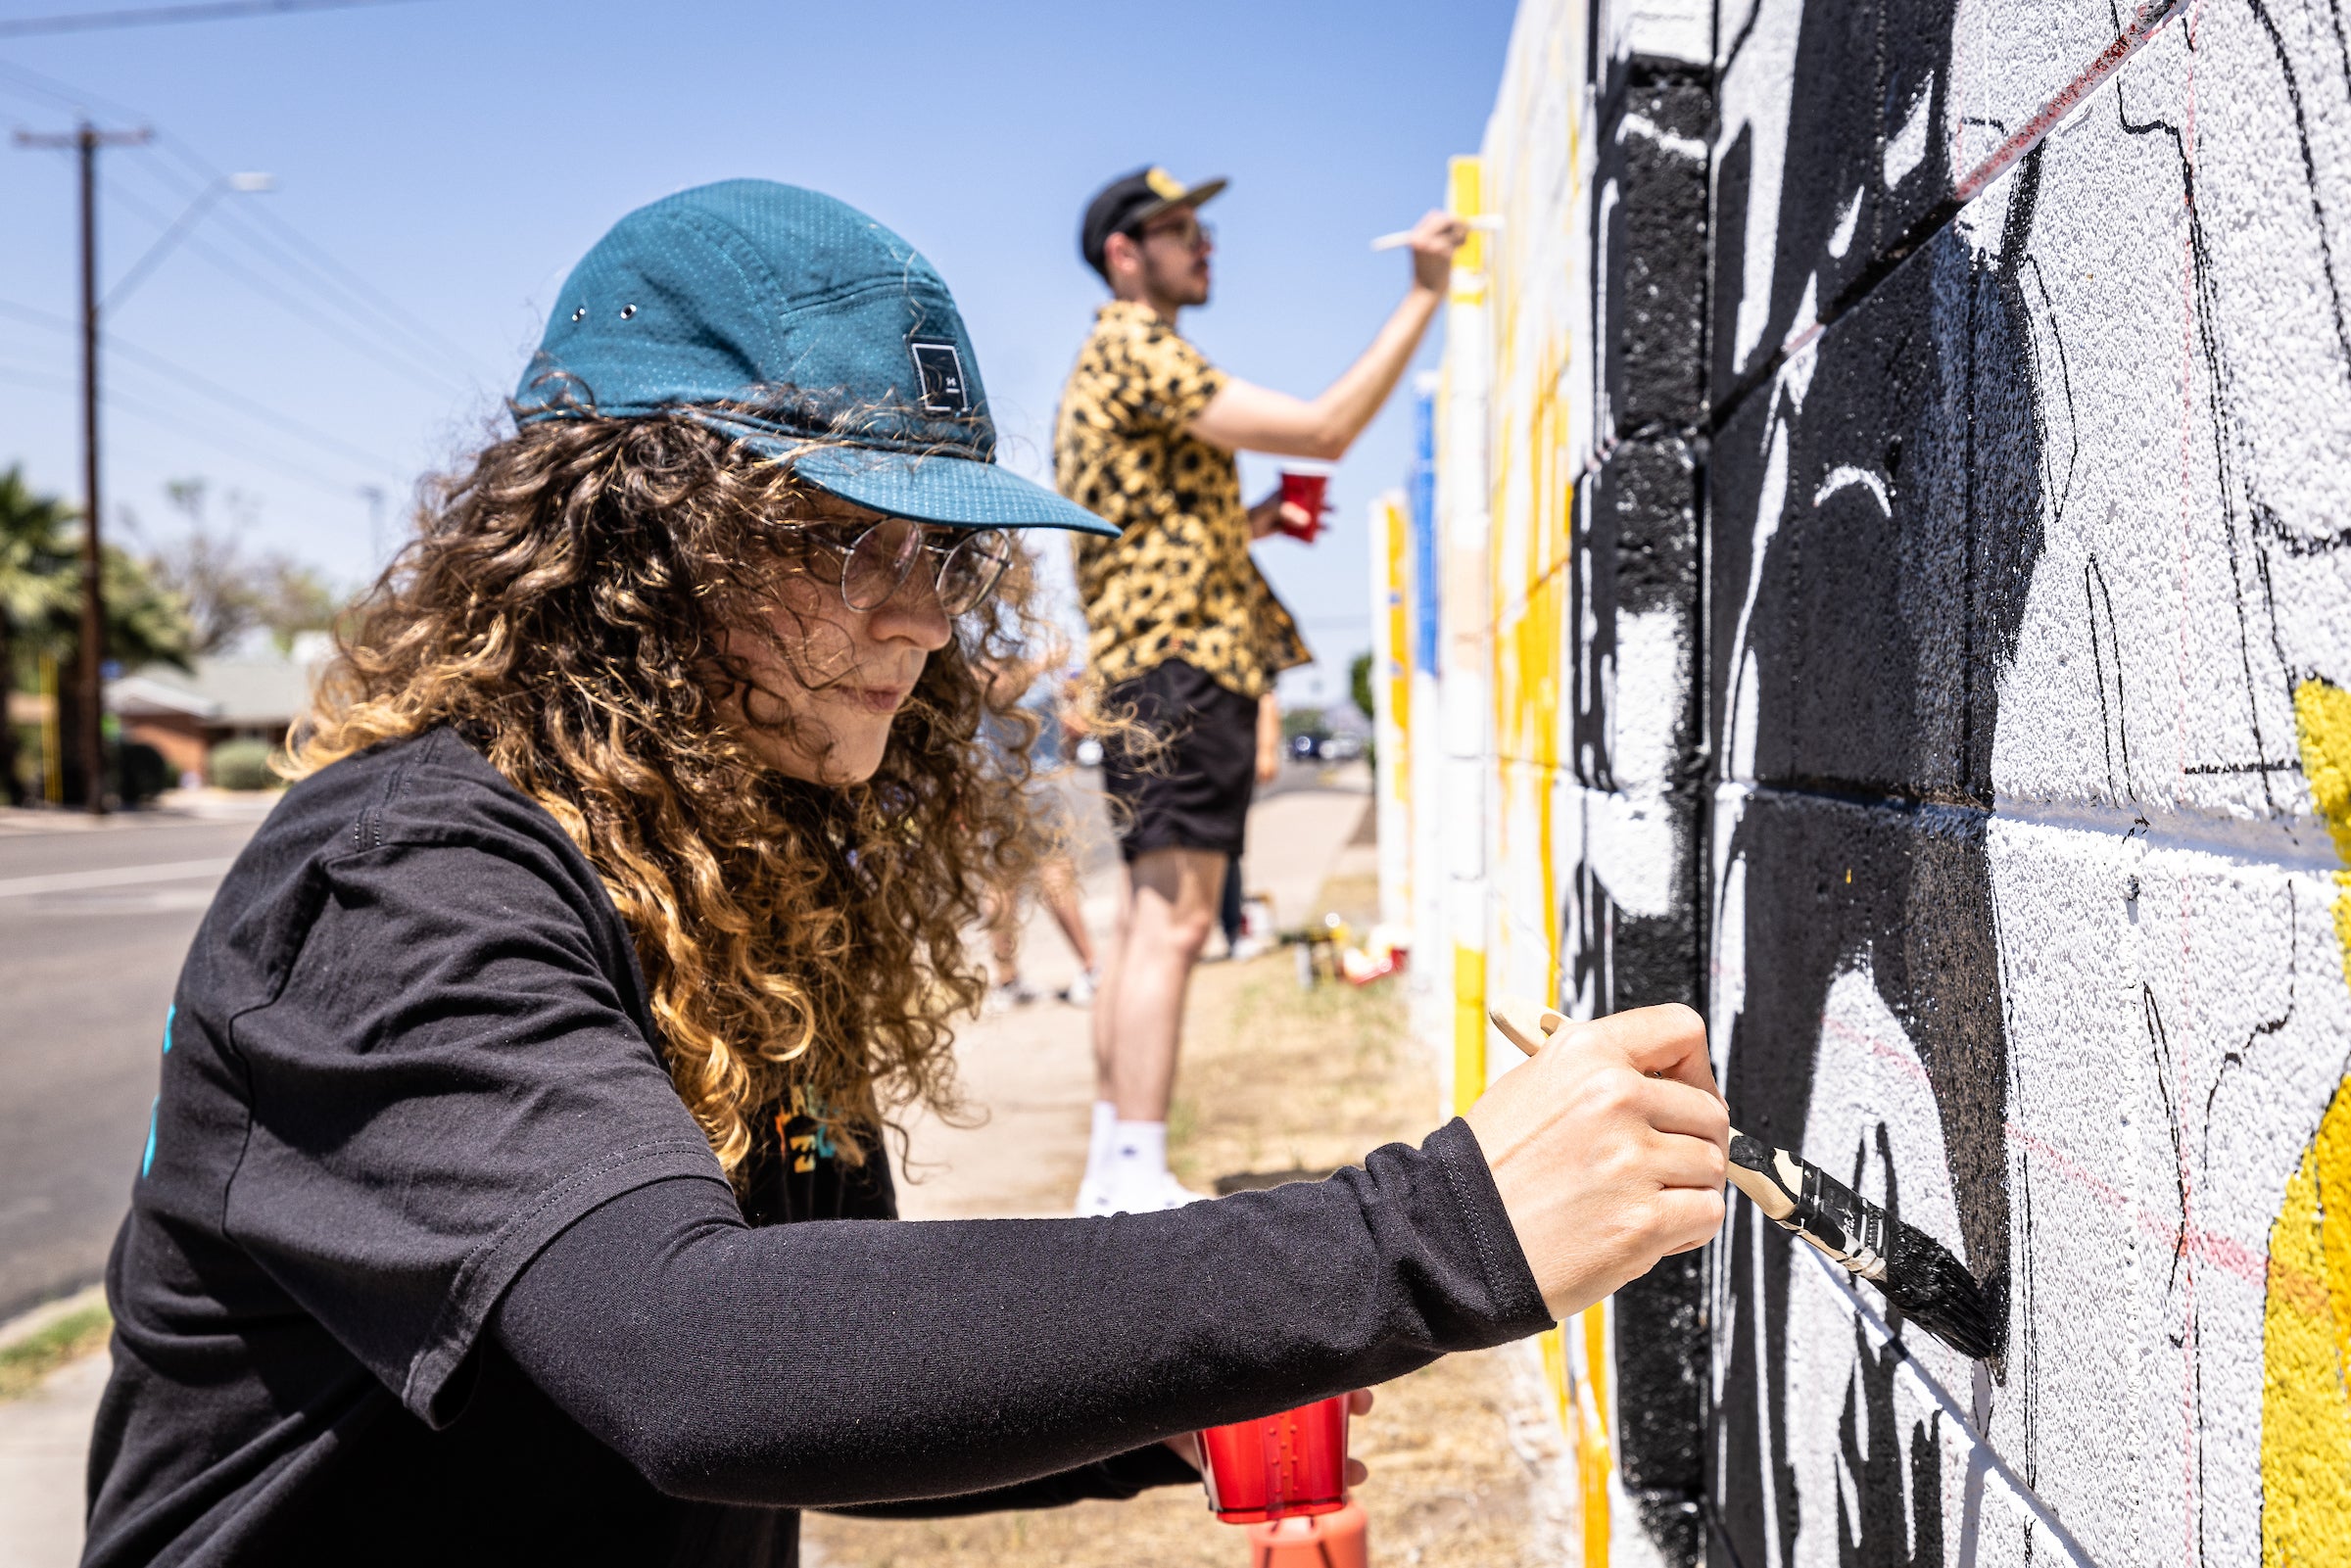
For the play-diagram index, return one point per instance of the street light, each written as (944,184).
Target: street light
(247,184)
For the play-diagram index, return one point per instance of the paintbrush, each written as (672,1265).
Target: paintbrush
(1403,236)
(1913,1270)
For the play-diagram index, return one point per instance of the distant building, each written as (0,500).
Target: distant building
(248,695)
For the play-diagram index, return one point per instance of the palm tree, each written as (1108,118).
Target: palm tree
(38,588)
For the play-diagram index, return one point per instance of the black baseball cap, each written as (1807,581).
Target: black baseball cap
(1132,201)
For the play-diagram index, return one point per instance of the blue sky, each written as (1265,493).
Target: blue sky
(442,165)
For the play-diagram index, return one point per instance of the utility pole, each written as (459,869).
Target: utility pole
(90,721)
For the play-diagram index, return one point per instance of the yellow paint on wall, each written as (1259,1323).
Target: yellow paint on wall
(2323,721)
(1469,1025)
(1593,1459)
(2306,1351)
(1466,195)
(2306,1315)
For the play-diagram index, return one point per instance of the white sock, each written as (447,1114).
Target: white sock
(1097,1147)
(1138,1159)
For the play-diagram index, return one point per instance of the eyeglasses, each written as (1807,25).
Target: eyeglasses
(1186,231)
(875,561)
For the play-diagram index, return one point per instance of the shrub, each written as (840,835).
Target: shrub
(242,765)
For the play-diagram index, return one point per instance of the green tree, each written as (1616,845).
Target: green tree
(37,583)
(1359,682)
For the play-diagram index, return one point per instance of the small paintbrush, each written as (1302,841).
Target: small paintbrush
(1913,1270)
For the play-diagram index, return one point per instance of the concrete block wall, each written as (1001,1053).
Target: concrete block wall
(1919,620)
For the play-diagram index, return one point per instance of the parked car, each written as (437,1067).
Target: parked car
(1305,747)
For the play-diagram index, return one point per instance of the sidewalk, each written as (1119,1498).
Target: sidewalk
(1274,1080)
(1032,1071)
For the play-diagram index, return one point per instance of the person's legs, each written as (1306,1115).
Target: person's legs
(1229,910)
(1004,946)
(1057,884)
(1093,1193)
(1172,907)
(1172,910)
(1183,810)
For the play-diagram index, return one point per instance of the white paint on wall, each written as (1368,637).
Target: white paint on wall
(1841,239)
(1739,746)
(1906,149)
(1669,29)
(1633,846)
(1844,477)
(1752,100)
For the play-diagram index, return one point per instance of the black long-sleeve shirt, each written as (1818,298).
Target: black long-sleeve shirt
(427,1262)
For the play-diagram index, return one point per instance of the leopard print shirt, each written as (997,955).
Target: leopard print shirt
(1178,581)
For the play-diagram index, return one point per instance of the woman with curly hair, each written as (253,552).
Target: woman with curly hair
(514,1189)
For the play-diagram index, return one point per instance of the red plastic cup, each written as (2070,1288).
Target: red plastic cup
(1308,489)
(1291,1464)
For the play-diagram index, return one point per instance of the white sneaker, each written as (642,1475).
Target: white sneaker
(1080,992)
(1175,1194)
(1249,947)
(1152,1198)
(1010,994)
(1093,1199)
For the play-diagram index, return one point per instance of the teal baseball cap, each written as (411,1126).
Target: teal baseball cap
(799,325)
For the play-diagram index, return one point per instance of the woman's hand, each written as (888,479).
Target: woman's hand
(1609,1148)
(1187,1444)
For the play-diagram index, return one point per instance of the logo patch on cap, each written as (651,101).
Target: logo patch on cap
(1163,185)
(939,368)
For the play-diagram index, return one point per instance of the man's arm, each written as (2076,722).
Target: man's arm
(1245,416)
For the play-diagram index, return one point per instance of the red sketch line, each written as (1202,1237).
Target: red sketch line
(2143,26)
(2249,1264)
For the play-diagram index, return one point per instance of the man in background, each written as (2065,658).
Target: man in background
(1185,633)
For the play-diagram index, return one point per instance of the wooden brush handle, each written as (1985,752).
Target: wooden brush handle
(1775,1180)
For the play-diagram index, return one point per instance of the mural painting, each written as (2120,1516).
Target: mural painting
(1921,637)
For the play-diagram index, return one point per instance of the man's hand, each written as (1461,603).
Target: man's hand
(1243,418)
(1434,240)
(1273,513)
(1609,1148)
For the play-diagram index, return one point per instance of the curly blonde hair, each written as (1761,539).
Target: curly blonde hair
(563,607)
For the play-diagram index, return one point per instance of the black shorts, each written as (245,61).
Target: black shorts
(1192,791)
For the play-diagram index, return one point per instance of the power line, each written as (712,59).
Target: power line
(390,356)
(170,15)
(301,274)
(25,83)
(318,257)
(235,400)
(175,420)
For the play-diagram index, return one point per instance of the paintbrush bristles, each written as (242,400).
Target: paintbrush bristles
(1934,1290)
(1914,1271)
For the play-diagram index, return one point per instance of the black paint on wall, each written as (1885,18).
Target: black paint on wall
(1874,638)
(1863,69)
(1653,287)
(1638,553)
(1870,614)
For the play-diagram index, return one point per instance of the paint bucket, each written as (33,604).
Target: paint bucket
(1307,487)
(1323,1540)
(1294,1464)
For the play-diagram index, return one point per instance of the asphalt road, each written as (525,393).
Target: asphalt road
(93,925)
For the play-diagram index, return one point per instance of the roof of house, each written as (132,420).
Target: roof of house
(239,692)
